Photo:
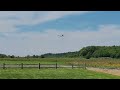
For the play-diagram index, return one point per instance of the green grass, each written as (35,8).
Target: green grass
(93,62)
(53,74)
(31,60)
(59,73)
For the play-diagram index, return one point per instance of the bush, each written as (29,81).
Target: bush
(42,56)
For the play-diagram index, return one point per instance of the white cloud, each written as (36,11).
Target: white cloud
(10,19)
(48,41)
(6,26)
(53,15)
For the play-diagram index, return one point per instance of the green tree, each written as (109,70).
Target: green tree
(12,56)
(42,56)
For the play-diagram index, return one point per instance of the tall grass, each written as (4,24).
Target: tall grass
(93,62)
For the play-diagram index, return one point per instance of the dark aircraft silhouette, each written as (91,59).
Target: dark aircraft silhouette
(61,35)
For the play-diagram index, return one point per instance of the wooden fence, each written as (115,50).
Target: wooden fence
(40,66)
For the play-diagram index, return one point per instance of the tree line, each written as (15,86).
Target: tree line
(28,56)
(85,52)
(7,56)
(100,51)
(91,51)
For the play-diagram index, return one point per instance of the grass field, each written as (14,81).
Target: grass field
(58,73)
(53,74)
(94,62)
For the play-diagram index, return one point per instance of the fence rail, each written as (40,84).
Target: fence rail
(39,66)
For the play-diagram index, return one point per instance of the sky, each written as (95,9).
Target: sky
(37,32)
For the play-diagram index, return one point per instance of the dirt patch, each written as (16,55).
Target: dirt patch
(109,71)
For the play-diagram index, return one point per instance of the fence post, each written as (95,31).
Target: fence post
(3,65)
(21,65)
(39,65)
(56,65)
(72,66)
(85,66)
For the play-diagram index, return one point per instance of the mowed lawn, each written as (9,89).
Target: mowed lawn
(53,74)
(33,60)
(93,62)
(35,73)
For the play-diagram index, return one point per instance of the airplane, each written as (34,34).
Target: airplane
(61,35)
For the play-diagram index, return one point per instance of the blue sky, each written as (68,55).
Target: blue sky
(36,32)
(75,22)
